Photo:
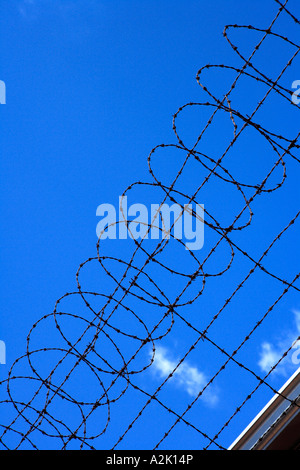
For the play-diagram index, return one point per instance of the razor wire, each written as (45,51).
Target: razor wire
(139,281)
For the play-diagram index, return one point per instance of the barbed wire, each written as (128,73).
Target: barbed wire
(140,281)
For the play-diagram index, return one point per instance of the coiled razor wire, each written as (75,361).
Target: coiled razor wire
(35,418)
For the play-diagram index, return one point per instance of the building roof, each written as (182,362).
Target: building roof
(277,426)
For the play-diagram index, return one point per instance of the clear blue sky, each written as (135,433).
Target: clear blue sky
(91,87)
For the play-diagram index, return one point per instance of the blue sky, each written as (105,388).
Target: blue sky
(91,88)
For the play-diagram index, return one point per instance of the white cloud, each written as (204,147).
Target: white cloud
(186,376)
(268,357)
(271,353)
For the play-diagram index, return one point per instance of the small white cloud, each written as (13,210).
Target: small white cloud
(186,376)
(268,357)
(271,353)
